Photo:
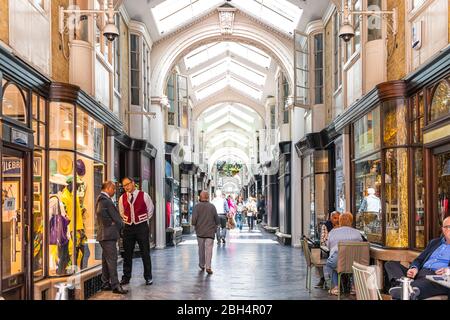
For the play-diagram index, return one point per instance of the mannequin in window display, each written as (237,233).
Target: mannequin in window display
(370,210)
(81,239)
(59,234)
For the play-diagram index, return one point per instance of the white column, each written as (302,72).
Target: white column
(157,140)
(298,131)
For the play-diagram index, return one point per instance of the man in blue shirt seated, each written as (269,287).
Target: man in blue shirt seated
(435,259)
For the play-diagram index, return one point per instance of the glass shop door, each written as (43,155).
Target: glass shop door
(12,248)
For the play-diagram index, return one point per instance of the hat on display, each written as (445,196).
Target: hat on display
(58,179)
(70,180)
(81,168)
(65,164)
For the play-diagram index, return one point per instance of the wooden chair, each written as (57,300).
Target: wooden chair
(312,258)
(348,253)
(366,286)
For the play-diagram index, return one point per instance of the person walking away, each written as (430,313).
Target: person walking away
(205,220)
(222,209)
(239,213)
(109,224)
(136,208)
(251,212)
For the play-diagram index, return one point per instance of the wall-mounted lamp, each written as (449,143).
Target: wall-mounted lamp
(110,30)
(347,31)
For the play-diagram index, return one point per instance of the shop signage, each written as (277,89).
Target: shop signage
(19,137)
(12,167)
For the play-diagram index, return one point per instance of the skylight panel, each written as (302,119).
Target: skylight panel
(242,115)
(217,114)
(245,88)
(204,53)
(247,73)
(173,13)
(209,73)
(250,53)
(213,88)
(280,14)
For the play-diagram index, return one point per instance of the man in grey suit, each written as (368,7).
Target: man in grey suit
(109,224)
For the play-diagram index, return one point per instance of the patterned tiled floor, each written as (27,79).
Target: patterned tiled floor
(251,266)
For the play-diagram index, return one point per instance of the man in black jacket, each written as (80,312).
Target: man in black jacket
(109,224)
(435,259)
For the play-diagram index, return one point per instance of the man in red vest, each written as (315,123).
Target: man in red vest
(136,208)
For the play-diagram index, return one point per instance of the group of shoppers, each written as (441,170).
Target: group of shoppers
(434,260)
(129,220)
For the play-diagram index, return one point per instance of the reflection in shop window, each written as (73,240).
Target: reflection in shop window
(368,197)
(13,104)
(61,125)
(367,133)
(396,193)
(440,106)
(395,129)
(443,186)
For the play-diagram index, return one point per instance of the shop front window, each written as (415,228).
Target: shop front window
(417,118)
(419,198)
(396,192)
(39,172)
(440,105)
(367,133)
(91,174)
(61,219)
(14,105)
(90,135)
(368,197)
(62,125)
(443,186)
(339,176)
(394,123)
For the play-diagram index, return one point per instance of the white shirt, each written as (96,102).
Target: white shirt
(148,202)
(218,202)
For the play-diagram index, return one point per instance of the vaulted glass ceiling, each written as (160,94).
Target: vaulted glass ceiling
(231,81)
(210,51)
(227,66)
(174,13)
(280,14)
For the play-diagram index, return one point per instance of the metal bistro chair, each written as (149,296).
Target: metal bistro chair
(348,253)
(366,285)
(312,257)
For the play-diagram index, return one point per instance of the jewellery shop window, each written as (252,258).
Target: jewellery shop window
(39,174)
(75,178)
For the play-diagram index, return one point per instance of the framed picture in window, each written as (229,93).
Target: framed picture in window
(36,187)
(36,206)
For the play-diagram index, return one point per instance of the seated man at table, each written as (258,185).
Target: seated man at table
(433,260)
(345,232)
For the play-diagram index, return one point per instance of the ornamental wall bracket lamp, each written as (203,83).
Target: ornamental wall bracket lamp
(347,31)
(74,14)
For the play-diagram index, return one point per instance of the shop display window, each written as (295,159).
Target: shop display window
(76,173)
(396,197)
(443,187)
(419,198)
(368,197)
(90,135)
(417,118)
(339,176)
(440,105)
(61,218)
(394,123)
(14,105)
(39,173)
(61,124)
(367,133)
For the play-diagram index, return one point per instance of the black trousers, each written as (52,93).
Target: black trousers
(395,270)
(109,263)
(131,234)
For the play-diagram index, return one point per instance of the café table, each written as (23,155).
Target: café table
(439,280)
